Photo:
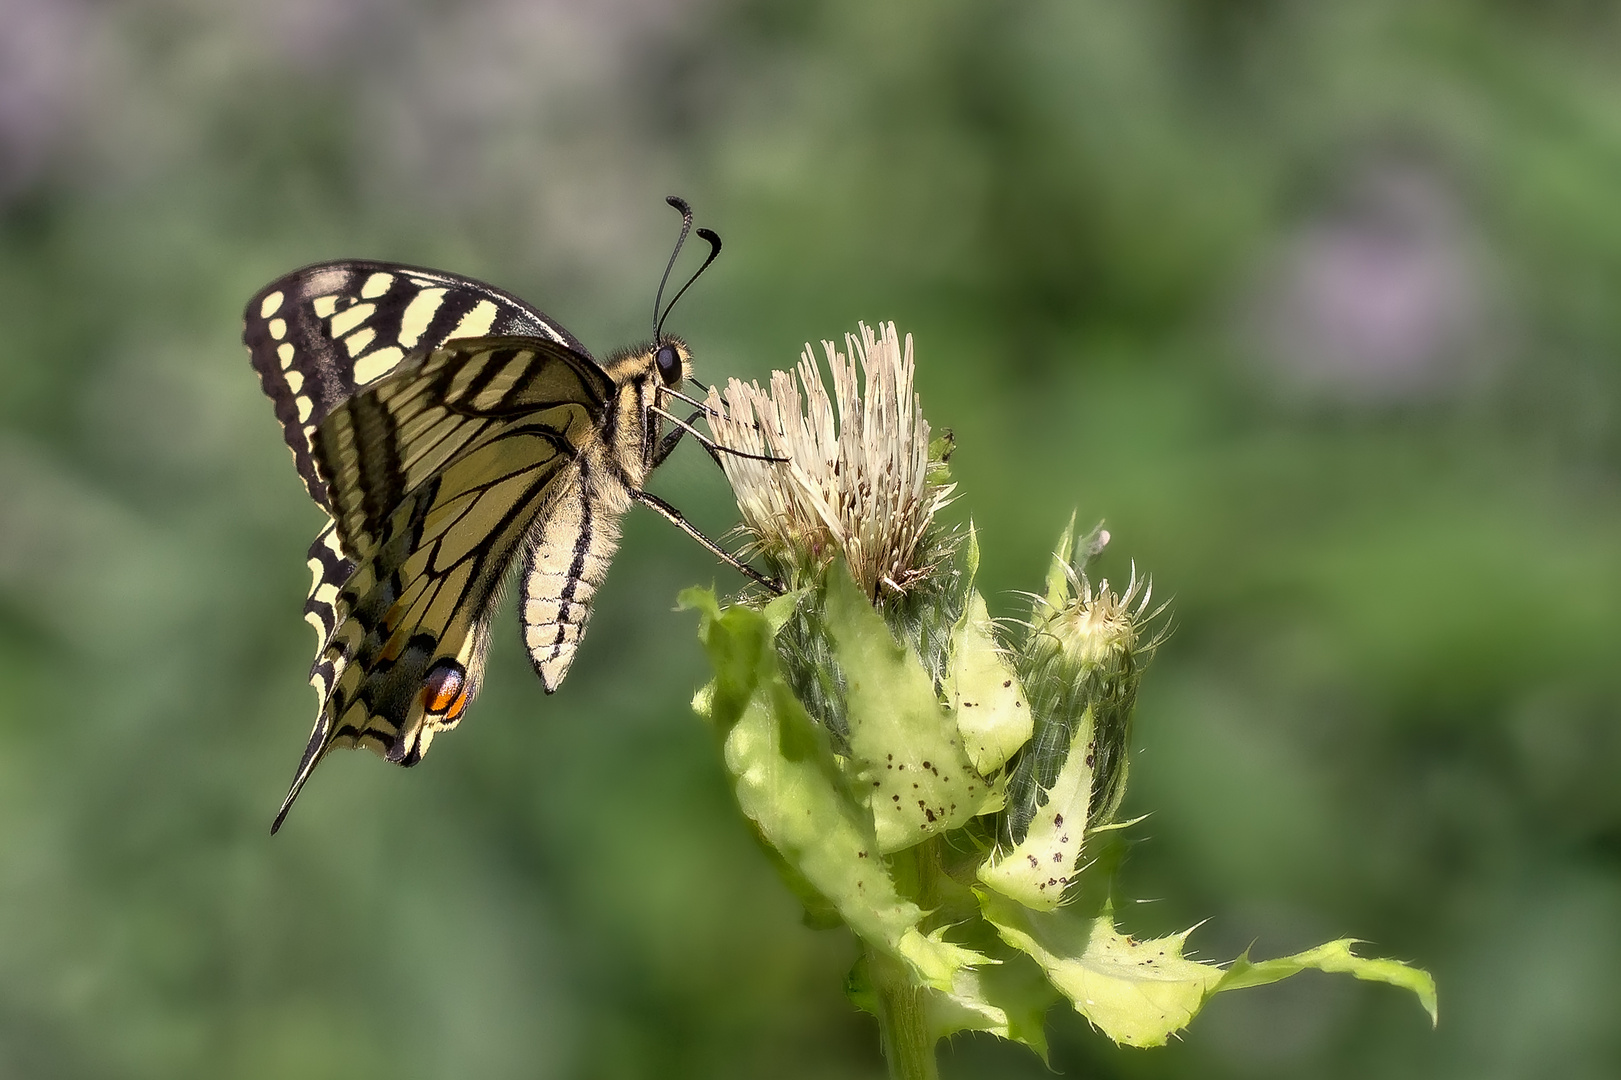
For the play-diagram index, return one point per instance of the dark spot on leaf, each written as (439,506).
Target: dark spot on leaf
(1058,820)
(1006,683)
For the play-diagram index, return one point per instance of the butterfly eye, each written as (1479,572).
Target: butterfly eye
(669,362)
(444,689)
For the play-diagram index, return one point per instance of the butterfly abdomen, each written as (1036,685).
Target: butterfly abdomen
(566,561)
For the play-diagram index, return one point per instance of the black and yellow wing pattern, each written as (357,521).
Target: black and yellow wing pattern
(437,420)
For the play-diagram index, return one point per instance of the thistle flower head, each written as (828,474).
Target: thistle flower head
(1098,626)
(856,482)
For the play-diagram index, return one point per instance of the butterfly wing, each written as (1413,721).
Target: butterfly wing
(320,334)
(435,475)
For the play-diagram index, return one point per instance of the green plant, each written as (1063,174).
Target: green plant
(945,786)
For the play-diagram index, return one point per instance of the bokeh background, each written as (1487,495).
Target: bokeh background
(1318,304)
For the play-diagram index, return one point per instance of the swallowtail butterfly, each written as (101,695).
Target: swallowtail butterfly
(450,431)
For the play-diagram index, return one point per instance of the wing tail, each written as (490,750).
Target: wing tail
(312,756)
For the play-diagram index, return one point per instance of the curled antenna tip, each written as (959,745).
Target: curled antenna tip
(707,235)
(686,223)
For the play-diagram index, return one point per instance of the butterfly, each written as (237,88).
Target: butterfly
(450,431)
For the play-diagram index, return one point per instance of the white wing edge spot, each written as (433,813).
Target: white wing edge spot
(325,305)
(286,352)
(270,305)
(278,328)
(376,285)
(295,380)
(305,408)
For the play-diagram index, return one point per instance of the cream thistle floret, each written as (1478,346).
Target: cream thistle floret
(924,775)
(857,480)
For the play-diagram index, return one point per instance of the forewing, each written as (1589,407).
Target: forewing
(319,335)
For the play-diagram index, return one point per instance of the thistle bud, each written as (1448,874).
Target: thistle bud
(1080,665)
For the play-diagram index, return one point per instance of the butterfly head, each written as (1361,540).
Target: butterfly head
(673,361)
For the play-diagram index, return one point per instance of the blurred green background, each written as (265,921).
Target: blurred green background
(1316,303)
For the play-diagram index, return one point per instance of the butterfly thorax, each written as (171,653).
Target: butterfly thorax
(640,379)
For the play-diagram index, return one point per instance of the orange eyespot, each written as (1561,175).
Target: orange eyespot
(460,703)
(444,689)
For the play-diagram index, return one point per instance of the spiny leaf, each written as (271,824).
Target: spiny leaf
(909,757)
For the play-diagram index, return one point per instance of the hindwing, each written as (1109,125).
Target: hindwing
(435,475)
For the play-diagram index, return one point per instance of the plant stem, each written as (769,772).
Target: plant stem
(908,1045)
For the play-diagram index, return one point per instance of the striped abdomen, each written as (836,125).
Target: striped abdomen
(567,559)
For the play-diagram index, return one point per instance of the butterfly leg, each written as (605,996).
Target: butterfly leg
(675,518)
(668,443)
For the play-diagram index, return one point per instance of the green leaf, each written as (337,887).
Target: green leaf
(738,647)
(1141,992)
(993,716)
(980,685)
(1058,569)
(1336,956)
(790,785)
(1009,998)
(1038,870)
(780,609)
(910,760)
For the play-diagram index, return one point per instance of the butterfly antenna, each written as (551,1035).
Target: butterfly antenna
(686,223)
(714,249)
